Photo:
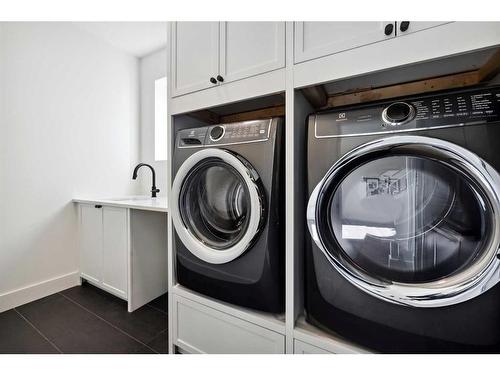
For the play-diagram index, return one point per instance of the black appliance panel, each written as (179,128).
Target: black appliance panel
(452,109)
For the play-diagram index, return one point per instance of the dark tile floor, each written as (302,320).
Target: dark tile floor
(84,319)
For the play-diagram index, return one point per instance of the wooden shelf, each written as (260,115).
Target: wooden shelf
(211,117)
(319,99)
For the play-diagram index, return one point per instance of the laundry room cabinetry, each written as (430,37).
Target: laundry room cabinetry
(195,56)
(301,347)
(320,60)
(209,54)
(318,39)
(123,250)
(408,27)
(369,58)
(91,243)
(104,247)
(202,329)
(250,48)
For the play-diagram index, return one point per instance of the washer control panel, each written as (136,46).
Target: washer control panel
(224,134)
(217,132)
(451,109)
(398,113)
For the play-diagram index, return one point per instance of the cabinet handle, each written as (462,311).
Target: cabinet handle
(220,79)
(98,206)
(213,80)
(389,28)
(404,26)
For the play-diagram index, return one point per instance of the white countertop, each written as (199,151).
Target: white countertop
(137,202)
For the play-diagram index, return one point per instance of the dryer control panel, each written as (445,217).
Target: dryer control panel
(468,107)
(225,134)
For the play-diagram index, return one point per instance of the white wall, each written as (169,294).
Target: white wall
(152,67)
(68,127)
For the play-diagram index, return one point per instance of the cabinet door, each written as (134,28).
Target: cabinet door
(317,39)
(91,243)
(202,329)
(115,250)
(415,26)
(301,347)
(250,48)
(195,56)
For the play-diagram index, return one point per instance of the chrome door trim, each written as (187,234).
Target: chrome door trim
(194,245)
(410,117)
(483,274)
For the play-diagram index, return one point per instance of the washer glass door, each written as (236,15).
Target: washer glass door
(217,205)
(412,220)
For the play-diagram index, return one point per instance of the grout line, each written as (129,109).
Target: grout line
(38,331)
(109,323)
(157,309)
(159,333)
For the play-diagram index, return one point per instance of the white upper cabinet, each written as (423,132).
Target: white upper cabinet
(317,39)
(250,48)
(208,54)
(408,27)
(195,56)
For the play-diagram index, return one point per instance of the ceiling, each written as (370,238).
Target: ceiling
(136,38)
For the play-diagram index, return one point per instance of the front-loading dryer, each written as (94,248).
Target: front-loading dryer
(404,220)
(227,210)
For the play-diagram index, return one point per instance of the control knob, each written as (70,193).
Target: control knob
(217,132)
(398,113)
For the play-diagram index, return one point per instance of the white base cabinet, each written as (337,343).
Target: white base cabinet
(124,252)
(202,329)
(115,241)
(301,347)
(104,247)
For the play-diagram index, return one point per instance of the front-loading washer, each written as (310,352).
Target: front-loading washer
(227,210)
(404,222)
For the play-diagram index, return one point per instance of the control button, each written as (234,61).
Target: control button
(217,132)
(398,113)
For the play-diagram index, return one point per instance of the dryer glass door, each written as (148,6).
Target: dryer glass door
(217,205)
(413,220)
(408,219)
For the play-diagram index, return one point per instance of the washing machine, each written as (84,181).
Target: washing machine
(227,209)
(404,223)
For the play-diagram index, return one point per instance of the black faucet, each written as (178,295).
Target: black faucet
(154,190)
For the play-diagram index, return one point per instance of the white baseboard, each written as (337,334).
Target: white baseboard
(39,290)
